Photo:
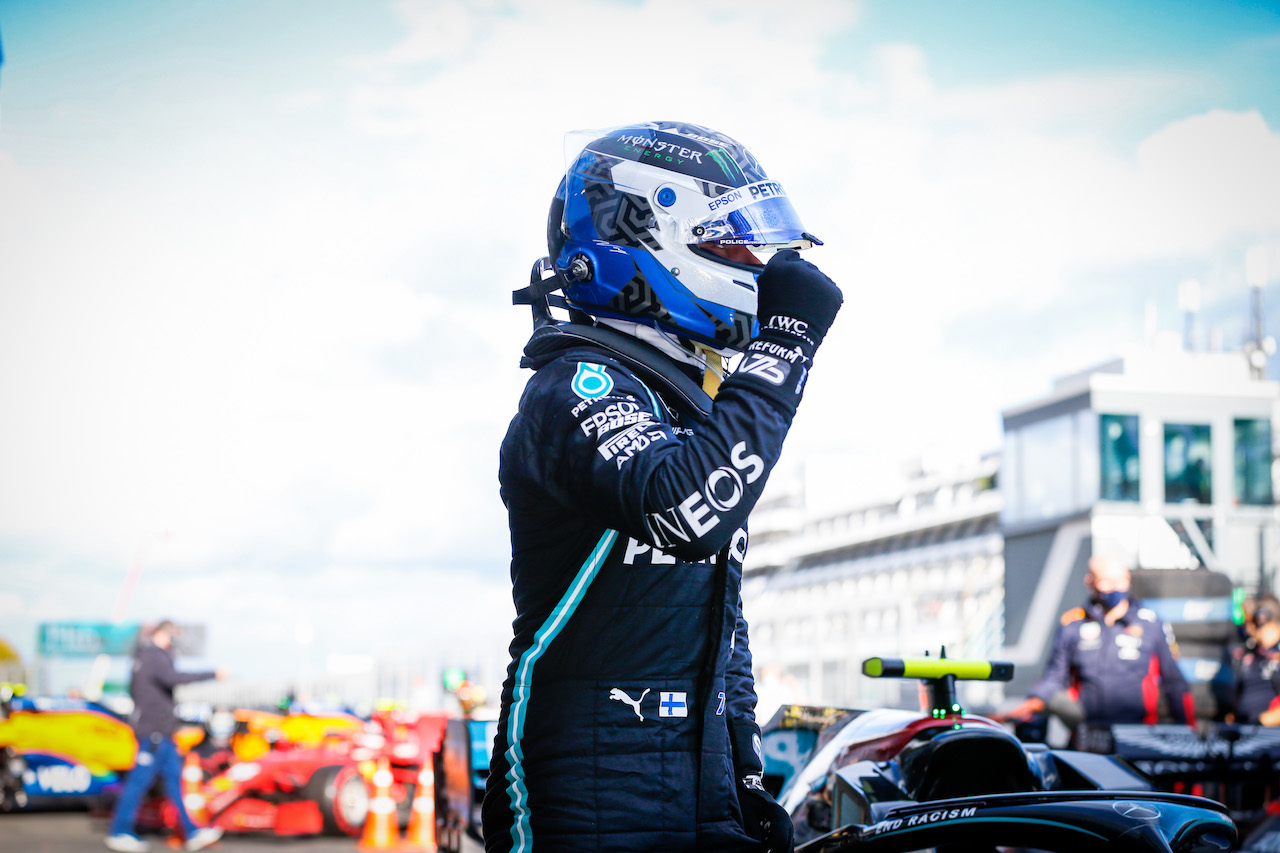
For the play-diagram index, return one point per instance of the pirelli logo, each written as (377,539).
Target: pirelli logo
(629,442)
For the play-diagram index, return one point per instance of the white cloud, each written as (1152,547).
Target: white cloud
(1208,177)
(1085,102)
(11,605)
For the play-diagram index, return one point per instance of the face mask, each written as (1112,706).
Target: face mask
(1110,600)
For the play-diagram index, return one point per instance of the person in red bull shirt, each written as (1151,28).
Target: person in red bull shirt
(1113,656)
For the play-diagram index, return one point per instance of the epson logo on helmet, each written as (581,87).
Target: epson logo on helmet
(727,198)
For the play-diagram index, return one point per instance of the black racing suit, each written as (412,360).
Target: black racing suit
(1257,682)
(627,719)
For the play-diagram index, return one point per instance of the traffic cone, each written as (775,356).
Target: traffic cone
(192,797)
(380,829)
(420,837)
(192,790)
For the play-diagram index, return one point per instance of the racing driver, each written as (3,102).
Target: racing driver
(627,719)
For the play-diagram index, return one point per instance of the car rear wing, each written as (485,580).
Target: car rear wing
(1123,821)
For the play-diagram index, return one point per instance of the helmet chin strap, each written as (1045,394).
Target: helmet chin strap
(713,373)
(708,360)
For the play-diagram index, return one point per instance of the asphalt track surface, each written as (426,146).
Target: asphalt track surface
(82,832)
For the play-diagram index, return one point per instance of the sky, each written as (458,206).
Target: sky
(256,338)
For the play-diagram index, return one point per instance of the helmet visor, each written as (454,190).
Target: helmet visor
(758,214)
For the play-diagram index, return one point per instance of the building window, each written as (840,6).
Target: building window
(1120,466)
(1049,467)
(1187,464)
(1087,464)
(1253,461)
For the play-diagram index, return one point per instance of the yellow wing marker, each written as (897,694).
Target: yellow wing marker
(932,668)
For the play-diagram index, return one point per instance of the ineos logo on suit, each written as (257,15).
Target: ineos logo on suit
(723,489)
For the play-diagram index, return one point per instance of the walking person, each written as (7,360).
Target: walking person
(154,721)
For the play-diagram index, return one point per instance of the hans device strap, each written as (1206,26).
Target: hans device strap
(652,365)
(550,335)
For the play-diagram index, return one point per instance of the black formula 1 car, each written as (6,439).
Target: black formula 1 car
(891,781)
(1238,765)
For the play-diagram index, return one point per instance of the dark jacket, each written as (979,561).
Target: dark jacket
(628,712)
(154,679)
(1257,682)
(1116,671)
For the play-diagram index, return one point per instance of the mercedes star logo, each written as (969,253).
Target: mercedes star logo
(1136,811)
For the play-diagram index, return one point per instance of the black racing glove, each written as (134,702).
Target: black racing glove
(764,818)
(796,298)
(796,304)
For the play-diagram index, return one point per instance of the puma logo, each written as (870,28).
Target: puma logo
(615,693)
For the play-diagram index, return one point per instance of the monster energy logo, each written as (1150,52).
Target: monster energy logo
(727,165)
(659,149)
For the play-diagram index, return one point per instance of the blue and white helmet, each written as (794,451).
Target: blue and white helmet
(668,225)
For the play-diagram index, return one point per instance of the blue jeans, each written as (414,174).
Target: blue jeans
(152,757)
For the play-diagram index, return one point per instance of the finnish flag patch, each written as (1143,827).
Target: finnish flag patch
(672,705)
